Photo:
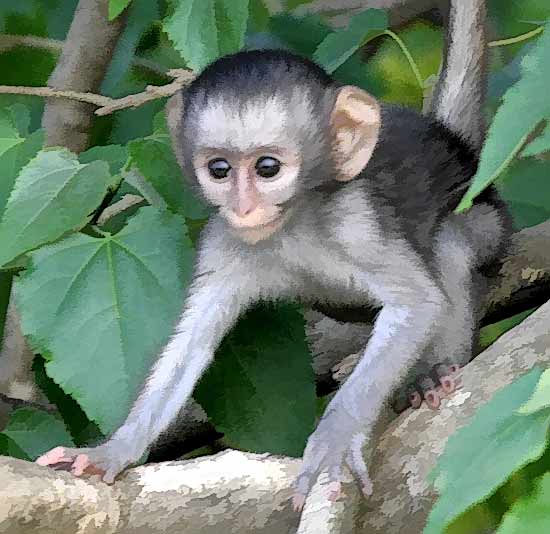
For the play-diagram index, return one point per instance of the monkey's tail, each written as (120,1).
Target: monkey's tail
(460,92)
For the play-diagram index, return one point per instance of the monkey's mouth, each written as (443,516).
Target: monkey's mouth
(260,218)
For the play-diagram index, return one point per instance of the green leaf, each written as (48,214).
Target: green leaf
(116,7)
(481,456)
(260,391)
(259,16)
(524,106)
(9,134)
(13,160)
(155,160)
(53,194)
(539,145)
(35,432)
(100,309)
(142,14)
(115,155)
(526,189)
(203,30)
(20,117)
(541,396)
(529,514)
(337,47)
(490,333)
(304,35)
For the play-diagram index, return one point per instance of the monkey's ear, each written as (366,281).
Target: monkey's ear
(355,121)
(174,116)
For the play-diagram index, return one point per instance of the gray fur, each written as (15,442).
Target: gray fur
(460,93)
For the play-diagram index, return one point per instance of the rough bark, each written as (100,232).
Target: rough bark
(81,67)
(231,492)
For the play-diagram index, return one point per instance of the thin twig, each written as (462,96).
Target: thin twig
(106,105)
(90,98)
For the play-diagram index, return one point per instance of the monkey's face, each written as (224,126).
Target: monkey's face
(249,159)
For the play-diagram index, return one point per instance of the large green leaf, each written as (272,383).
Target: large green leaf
(529,514)
(155,160)
(260,391)
(524,106)
(99,309)
(480,457)
(340,45)
(203,30)
(34,432)
(53,194)
(13,160)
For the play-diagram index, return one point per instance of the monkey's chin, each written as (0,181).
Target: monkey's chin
(259,225)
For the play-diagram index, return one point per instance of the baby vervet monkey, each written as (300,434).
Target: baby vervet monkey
(322,194)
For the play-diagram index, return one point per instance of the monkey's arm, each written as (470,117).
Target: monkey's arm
(412,307)
(215,301)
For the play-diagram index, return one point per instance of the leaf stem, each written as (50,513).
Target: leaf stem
(518,38)
(408,55)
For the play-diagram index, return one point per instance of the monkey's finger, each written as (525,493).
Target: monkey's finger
(311,468)
(55,456)
(428,388)
(109,476)
(356,463)
(414,396)
(80,465)
(298,501)
(446,375)
(334,490)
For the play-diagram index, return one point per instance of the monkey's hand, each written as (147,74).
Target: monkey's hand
(106,460)
(337,442)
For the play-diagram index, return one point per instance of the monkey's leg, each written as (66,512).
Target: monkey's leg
(401,332)
(452,346)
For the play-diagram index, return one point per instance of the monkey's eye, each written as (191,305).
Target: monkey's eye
(219,168)
(267,167)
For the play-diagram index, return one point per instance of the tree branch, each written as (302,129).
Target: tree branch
(107,105)
(81,67)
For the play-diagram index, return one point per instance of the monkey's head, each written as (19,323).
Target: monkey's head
(258,129)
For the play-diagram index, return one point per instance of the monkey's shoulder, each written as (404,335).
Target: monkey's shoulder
(412,141)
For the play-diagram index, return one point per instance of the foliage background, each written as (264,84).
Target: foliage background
(86,289)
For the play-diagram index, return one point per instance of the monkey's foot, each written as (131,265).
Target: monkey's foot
(442,380)
(90,461)
(329,452)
